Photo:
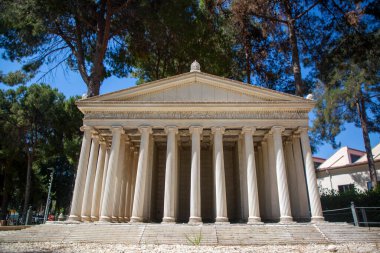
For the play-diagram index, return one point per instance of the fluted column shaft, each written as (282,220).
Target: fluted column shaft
(98,182)
(282,181)
(128,175)
(90,178)
(142,170)
(195,185)
(116,215)
(219,176)
(106,161)
(315,201)
(113,164)
(135,155)
(80,180)
(170,173)
(253,195)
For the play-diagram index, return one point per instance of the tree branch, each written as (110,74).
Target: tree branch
(308,9)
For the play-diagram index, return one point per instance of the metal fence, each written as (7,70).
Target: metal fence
(356,215)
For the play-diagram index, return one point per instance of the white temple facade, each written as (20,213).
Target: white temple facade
(195,148)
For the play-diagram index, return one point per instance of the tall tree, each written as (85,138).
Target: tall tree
(165,44)
(35,113)
(81,34)
(286,13)
(349,91)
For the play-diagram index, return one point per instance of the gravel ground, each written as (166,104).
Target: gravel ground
(98,247)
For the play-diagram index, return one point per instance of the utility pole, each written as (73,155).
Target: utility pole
(49,195)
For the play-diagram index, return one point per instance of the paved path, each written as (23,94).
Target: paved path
(206,234)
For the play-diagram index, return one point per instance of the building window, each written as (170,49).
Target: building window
(345,188)
(354,158)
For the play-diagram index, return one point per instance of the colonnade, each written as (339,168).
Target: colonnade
(112,182)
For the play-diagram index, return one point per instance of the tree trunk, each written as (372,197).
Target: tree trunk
(295,58)
(247,51)
(93,88)
(28,185)
(4,203)
(367,143)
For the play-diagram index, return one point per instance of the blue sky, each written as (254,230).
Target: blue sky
(71,84)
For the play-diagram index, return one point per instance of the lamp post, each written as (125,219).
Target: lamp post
(49,195)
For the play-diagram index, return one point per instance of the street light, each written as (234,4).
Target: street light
(49,193)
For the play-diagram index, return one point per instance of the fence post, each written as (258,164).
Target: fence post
(354,214)
(29,214)
(364,215)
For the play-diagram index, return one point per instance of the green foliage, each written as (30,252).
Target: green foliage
(37,125)
(332,199)
(194,240)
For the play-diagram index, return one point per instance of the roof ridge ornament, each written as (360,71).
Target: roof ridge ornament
(195,67)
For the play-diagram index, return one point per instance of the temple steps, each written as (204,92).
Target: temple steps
(207,234)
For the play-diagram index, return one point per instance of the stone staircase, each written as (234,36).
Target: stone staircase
(206,234)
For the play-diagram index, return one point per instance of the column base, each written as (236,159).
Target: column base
(286,220)
(195,221)
(105,219)
(126,219)
(254,220)
(74,218)
(221,220)
(94,218)
(86,218)
(115,219)
(317,219)
(136,219)
(168,220)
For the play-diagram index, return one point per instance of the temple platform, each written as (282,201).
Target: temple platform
(205,234)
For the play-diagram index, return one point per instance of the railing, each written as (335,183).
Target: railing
(358,216)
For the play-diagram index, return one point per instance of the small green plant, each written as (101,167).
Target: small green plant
(194,240)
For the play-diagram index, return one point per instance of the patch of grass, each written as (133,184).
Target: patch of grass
(194,240)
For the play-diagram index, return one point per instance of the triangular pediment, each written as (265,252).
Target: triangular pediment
(193,88)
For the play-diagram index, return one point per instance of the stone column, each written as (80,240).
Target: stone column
(292,178)
(128,180)
(90,178)
(253,195)
(113,164)
(304,212)
(142,170)
(244,213)
(106,161)
(98,182)
(135,155)
(219,176)
(170,173)
(267,191)
(117,216)
(80,180)
(195,185)
(315,201)
(282,182)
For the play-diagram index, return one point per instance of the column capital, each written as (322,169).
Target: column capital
(216,129)
(145,129)
(277,129)
(102,141)
(249,130)
(86,128)
(117,129)
(171,129)
(198,129)
(301,130)
(296,135)
(95,136)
